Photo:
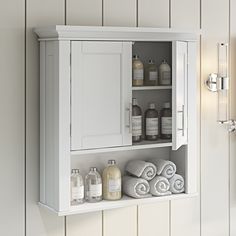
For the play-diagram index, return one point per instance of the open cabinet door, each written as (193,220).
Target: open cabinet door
(179,94)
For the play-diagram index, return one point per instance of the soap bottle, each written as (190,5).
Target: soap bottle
(137,71)
(151,123)
(136,122)
(77,188)
(93,186)
(151,74)
(164,74)
(111,179)
(166,121)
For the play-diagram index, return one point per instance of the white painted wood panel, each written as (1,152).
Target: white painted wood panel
(12,152)
(39,13)
(153,13)
(119,13)
(120,222)
(185,14)
(214,137)
(85,224)
(84,12)
(185,217)
(154,219)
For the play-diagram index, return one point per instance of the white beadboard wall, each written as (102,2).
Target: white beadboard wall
(209,214)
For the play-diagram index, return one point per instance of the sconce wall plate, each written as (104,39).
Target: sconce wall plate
(211,82)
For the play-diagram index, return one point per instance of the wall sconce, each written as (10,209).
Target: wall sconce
(220,83)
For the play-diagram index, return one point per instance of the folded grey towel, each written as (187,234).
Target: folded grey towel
(177,184)
(142,169)
(159,186)
(164,167)
(136,187)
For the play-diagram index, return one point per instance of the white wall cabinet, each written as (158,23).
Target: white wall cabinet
(86,110)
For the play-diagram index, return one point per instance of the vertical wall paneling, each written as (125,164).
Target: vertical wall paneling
(214,137)
(12,126)
(119,222)
(119,13)
(86,224)
(232,116)
(153,219)
(185,14)
(185,217)
(38,13)
(153,13)
(84,12)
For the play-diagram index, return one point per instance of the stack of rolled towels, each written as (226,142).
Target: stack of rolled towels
(156,177)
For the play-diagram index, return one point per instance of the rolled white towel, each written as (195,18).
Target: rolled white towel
(136,187)
(142,169)
(177,184)
(164,167)
(159,186)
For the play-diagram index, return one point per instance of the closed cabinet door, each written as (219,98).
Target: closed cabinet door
(101,94)
(179,94)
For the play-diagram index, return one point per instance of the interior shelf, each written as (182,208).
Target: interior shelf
(151,88)
(140,145)
(124,202)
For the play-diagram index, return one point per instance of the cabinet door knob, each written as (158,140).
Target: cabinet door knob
(183,124)
(129,125)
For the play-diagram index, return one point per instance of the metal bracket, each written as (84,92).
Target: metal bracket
(230,125)
(211,82)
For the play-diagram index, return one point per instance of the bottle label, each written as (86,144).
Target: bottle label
(166,77)
(166,125)
(153,75)
(138,74)
(114,185)
(151,126)
(77,192)
(95,190)
(136,125)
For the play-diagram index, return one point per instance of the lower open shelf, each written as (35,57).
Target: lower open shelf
(124,202)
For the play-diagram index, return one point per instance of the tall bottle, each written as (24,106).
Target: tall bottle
(111,179)
(151,123)
(164,74)
(136,122)
(151,74)
(137,71)
(166,121)
(93,186)
(77,188)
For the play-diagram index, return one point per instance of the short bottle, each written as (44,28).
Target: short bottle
(93,186)
(77,187)
(136,122)
(164,74)
(151,123)
(111,179)
(166,121)
(137,71)
(151,74)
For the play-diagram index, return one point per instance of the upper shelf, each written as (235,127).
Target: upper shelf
(62,32)
(151,87)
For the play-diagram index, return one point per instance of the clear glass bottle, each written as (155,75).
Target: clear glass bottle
(151,74)
(93,186)
(151,123)
(77,188)
(164,74)
(137,71)
(111,182)
(136,122)
(166,121)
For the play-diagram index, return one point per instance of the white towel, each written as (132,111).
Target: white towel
(142,169)
(136,187)
(159,186)
(177,184)
(164,167)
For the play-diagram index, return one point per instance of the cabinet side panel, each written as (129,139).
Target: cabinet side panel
(153,219)
(121,221)
(119,13)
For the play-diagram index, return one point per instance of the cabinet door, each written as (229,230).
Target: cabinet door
(179,94)
(101,94)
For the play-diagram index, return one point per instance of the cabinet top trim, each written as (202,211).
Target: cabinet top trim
(62,32)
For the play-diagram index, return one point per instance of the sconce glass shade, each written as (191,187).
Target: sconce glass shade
(222,106)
